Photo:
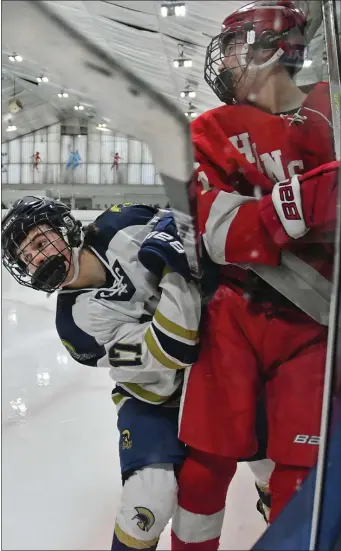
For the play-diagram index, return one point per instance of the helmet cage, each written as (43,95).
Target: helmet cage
(286,44)
(54,270)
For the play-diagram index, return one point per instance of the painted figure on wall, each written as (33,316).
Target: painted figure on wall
(36,160)
(3,168)
(116,158)
(74,160)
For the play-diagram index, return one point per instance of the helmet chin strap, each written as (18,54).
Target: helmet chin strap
(275,57)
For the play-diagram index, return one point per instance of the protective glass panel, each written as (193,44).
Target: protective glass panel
(27,174)
(53,173)
(148,175)
(93,174)
(134,174)
(135,151)
(14,173)
(27,143)
(121,147)
(14,151)
(80,174)
(107,147)
(107,174)
(94,145)
(53,146)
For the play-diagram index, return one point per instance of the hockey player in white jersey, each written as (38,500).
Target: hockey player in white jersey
(124,302)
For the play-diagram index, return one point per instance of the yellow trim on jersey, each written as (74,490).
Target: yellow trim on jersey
(145,394)
(69,346)
(130,541)
(155,351)
(117,398)
(174,328)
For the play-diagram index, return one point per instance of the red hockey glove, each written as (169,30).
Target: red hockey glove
(306,202)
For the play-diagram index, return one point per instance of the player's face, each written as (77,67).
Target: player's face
(40,244)
(238,58)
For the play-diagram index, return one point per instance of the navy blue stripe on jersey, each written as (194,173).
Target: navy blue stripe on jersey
(82,346)
(184,353)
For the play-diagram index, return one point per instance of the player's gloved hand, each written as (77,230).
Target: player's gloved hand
(162,248)
(305,202)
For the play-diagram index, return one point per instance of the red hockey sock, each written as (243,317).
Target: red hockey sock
(284,481)
(203,483)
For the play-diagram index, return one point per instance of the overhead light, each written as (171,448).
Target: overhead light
(42,78)
(182,62)
(180,10)
(307,62)
(188,94)
(11,128)
(15,57)
(79,107)
(173,8)
(191,112)
(103,127)
(63,95)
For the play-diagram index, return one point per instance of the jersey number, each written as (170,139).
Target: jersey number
(125,355)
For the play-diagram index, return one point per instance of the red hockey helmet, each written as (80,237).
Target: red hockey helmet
(275,25)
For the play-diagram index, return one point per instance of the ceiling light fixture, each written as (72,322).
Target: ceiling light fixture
(79,107)
(191,112)
(63,95)
(11,128)
(173,8)
(103,127)
(15,57)
(42,78)
(182,61)
(188,94)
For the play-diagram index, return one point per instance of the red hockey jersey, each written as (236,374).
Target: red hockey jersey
(241,152)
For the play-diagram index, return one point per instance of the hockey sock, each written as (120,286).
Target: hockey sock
(284,482)
(203,482)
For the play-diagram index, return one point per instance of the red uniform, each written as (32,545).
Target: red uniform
(246,345)
(258,341)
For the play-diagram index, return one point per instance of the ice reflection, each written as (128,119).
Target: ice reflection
(19,407)
(43,379)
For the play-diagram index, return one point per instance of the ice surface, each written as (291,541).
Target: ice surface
(60,467)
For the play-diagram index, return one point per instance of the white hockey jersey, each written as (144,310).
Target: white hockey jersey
(143,330)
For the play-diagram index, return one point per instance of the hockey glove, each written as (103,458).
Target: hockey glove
(162,248)
(306,202)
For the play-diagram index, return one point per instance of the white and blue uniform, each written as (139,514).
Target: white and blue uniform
(146,332)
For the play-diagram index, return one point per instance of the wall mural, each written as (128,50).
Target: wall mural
(3,168)
(115,160)
(74,160)
(36,160)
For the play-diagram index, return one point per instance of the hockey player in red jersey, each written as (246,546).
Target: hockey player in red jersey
(266,184)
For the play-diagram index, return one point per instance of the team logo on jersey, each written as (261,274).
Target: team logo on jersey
(79,357)
(126,440)
(122,288)
(145,518)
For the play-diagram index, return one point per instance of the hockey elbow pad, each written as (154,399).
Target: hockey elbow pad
(162,248)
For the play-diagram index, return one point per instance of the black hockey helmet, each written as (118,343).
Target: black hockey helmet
(31,213)
(274,25)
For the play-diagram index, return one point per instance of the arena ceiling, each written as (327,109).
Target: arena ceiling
(139,36)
